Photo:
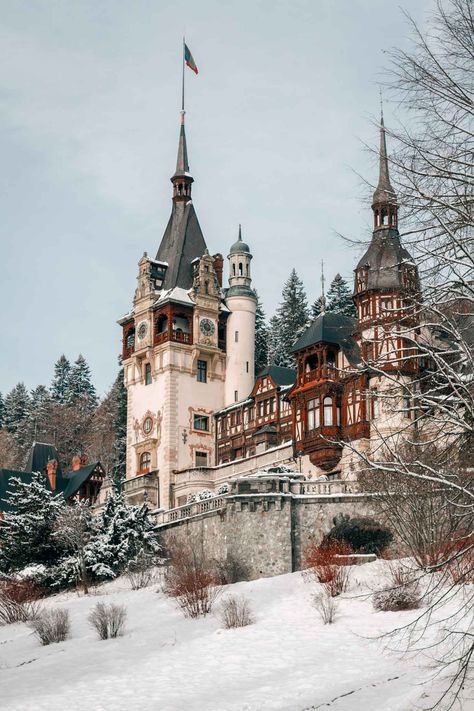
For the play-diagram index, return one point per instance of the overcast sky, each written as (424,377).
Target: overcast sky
(277,120)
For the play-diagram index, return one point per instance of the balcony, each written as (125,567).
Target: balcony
(176,336)
(329,372)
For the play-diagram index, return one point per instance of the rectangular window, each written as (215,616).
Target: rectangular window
(201,422)
(201,459)
(247,366)
(236,396)
(236,336)
(202,371)
(147,374)
(313,414)
(260,408)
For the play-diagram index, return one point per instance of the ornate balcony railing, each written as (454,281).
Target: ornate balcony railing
(177,336)
(189,510)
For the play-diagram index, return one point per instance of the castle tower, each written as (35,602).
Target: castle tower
(386,290)
(173,354)
(242,303)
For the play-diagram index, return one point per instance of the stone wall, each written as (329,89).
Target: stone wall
(266,530)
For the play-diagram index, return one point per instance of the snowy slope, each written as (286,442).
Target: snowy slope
(287,660)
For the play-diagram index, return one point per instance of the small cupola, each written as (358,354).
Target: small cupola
(182,179)
(239,267)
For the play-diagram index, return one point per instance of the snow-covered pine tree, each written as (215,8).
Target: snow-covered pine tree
(26,533)
(80,384)
(120,426)
(261,338)
(339,297)
(290,320)
(60,383)
(15,413)
(317,308)
(39,414)
(2,408)
(123,532)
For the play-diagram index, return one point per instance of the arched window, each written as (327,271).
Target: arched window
(248,270)
(162,324)
(206,287)
(131,338)
(327,407)
(145,461)
(241,269)
(233,269)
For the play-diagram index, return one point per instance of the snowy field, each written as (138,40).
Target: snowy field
(287,660)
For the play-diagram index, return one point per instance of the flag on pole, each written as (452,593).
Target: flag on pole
(189,60)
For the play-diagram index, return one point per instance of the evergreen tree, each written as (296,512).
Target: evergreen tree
(27,531)
(60,384)
(120,427)
(15,414)
(317,308)
(123,533)
(289,322)
(261,338)
(39,413)
(2,408)
(80,384)
(339,297)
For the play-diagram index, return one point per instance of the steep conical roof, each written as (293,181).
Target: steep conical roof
(384,191)
(183,241)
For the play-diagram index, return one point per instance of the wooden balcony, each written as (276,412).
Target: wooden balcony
(329,372)
(176,336)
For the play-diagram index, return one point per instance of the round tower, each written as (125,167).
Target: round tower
(242,303)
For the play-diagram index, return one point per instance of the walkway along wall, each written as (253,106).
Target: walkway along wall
(265,523)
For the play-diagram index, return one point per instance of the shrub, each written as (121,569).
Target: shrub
(236,612)
(191,582)
(140,572)
(108,620)
(52,626)
(393,599)
(326,606)
(325,566)
(364,535)
(19,601)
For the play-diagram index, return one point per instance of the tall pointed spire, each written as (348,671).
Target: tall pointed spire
(182,179)
(384,203)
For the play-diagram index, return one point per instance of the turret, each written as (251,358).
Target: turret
(242,303)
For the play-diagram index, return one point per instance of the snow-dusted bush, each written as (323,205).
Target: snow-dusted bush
(140,571)
(108,620)
(326,606)
(324,565)
(52,626)
(236,612)
(191,581)
(19,601)
(393,599)
(200,496)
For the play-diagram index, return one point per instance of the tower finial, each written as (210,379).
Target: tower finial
(384,203)
(240,232)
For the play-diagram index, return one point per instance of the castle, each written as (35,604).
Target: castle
(197,415)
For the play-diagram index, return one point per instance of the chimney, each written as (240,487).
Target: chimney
(218,267)
(76,463)
(51,469)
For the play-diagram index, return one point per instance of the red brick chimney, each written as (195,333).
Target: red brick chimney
(51,469)
(218,267)
(76,463)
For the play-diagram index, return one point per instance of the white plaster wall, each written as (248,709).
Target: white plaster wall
(238,377)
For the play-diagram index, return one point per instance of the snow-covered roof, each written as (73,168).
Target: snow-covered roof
(176,294)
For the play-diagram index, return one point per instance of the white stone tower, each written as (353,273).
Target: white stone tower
(242,303)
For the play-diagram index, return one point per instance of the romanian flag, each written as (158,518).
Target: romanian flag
(189,60)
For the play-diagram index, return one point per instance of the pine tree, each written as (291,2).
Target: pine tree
(123,533)
(290,320)
(339,297)
(15,413)
(120,427)
(261,338)
(317,308)
(39,414)
(60,384)
(2,408)
(80,384)
(26,533)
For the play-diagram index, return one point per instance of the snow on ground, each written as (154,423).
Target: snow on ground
(288,660)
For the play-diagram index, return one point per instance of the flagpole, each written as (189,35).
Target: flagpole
(182,86)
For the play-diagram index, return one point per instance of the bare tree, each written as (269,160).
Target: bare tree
(422,469)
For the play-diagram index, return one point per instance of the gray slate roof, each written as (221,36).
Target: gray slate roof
(383,259)
(333,328)
(281,376)
(182,243)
